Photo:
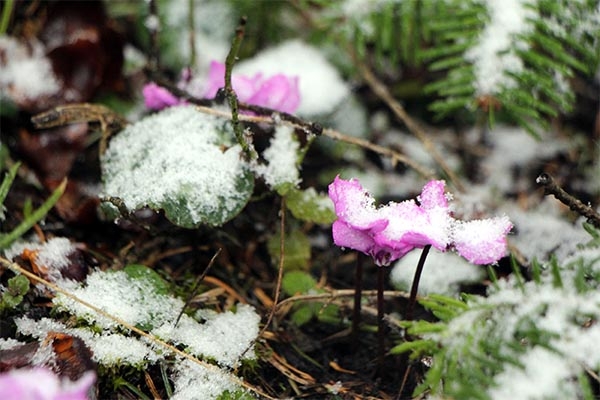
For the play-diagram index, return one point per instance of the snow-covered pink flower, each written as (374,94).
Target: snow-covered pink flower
(43,384)
(388,232)
(278,92)
(157,97)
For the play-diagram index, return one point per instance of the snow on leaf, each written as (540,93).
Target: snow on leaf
(281,172)
(174,160)
(308,205)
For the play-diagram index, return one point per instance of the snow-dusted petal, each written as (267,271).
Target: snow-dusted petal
(43,384)
(157,97)
(354,205)
(433,195)
(389,232)
(412,226)
(482,241)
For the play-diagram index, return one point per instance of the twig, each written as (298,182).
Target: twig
(109,120)
(384,151)
(232,98)
(551,187)
(192,32)
(382,91)
(335,294)
(332,134)
(16,267)
(196,285)
(153,26)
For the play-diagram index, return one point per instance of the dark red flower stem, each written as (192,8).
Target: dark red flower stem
(380,317)
(412,300)
(358,283)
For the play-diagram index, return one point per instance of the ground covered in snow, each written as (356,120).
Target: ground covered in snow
(160,267)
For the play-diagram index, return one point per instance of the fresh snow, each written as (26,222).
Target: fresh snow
(52,255)
(135,301)
(281,157)
(195,382)
(223,336)
(492,56)
(173,157)
(443,273)
(564,315)
(321,87)
(26,72)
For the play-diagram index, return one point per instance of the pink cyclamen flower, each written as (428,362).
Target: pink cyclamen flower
(157,97)
(43,384)
(389,232)
(278,92)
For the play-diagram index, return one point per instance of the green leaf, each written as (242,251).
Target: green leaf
(18,286)
(295,282)
(183,162)
(297,250)
(308,205)
(137,271)
(302,314)
(416,346)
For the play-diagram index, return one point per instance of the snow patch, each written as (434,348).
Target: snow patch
(443,273)
(281,156)
(321,87)
(492,56)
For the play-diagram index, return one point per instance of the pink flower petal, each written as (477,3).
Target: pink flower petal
(349,237)
(157,97)
(43,384)
(433,195)
(354,205)
(278,92)
(482,241)
(216,79)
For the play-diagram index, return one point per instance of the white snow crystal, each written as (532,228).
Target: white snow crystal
(53,254)
(173,154)
(443,272)
(223,336)
(492,57)
(26,72)
(281,156)
(195,382)
(133,300)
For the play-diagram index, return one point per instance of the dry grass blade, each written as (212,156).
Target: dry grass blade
(384,94)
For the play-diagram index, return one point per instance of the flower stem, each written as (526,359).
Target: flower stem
(412,300)
(358,278)
(380,315)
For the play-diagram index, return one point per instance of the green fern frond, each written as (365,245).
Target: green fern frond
(384,32)
(495,346)
(526,79)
